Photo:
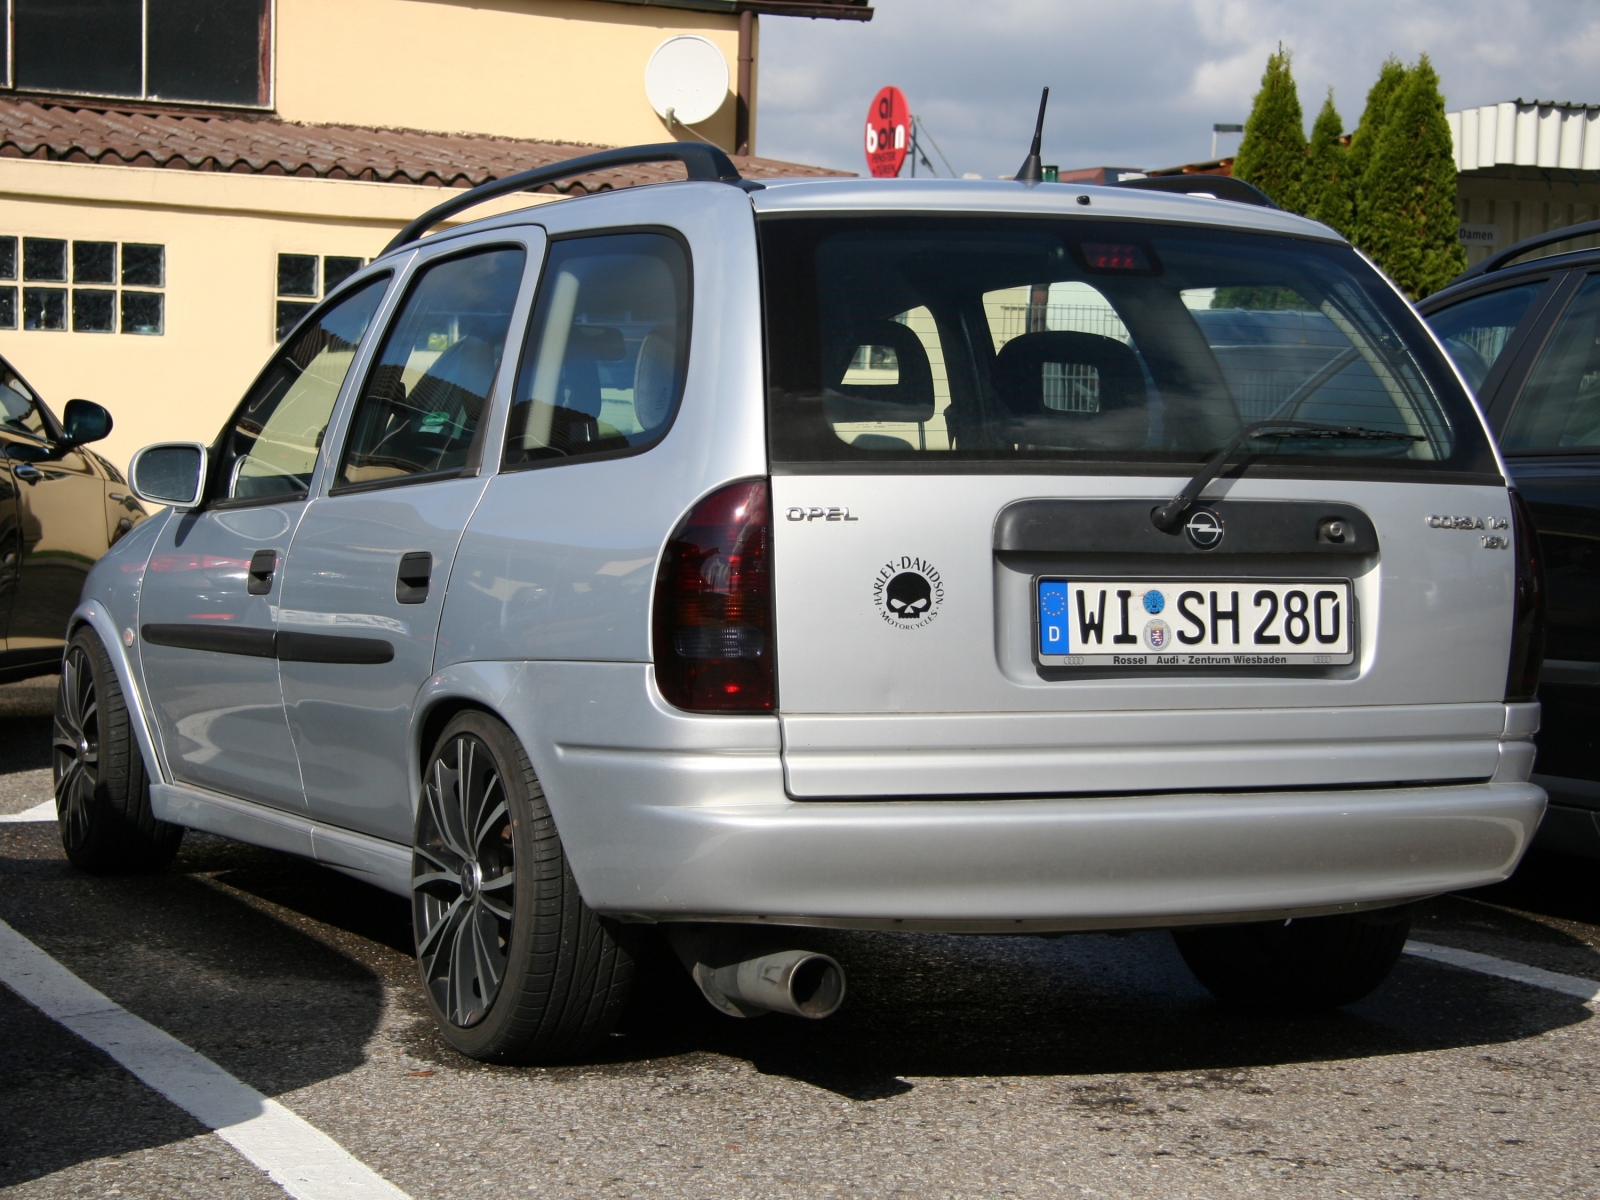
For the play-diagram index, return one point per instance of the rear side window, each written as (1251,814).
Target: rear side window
(929,343)
(607,349)
(1559,408)
(270,447)
(1477,330)
(428,389)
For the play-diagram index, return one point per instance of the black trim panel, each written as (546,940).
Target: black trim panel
(263,643)
(1124,527)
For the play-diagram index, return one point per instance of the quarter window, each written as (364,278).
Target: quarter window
(603,365)
(270,448)
(422,401)
(1560,405)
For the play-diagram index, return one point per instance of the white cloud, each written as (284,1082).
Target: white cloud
(1140,84)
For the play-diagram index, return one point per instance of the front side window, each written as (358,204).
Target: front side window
(1559,408)
(269,449)
(19,409)
(608,345)
(429,387)
(1477,330)
(933,342)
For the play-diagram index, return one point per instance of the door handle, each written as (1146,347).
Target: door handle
(27,472)
(263,565)
(416,571)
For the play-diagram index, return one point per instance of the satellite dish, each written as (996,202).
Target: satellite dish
(686,79)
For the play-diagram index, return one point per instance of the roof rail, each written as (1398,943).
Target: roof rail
(1223,187)
(704,162)
(1495,261)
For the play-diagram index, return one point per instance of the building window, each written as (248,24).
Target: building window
(195,51)
(299,275)
(94,309)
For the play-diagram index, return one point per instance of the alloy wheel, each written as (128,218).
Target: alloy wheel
(463,880)
(75,745)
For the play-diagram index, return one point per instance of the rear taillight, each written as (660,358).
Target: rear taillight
(713,608)
(1527,632)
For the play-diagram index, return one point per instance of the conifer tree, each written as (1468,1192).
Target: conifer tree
(1408,220)
(1272,155)
(1390,78)
(1327,191)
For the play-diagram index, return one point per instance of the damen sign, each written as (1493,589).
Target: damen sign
(888,133)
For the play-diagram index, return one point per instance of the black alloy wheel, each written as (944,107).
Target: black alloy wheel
(102,786)
(463,880)
(515,966)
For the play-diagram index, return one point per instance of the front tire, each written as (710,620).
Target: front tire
(1305,965)
(102,788)
(515,966)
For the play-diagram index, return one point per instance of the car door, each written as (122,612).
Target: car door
(1547,416)
(52,529)
(208,604)
(370,559)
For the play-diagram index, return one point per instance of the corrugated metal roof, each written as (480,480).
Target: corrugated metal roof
(1527,133)
(150,137)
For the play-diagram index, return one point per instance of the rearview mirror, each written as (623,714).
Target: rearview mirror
(170,473)
(84,421)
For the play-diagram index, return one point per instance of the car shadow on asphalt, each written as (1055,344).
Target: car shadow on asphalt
(273,997)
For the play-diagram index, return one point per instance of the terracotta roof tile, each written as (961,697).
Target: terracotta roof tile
(142,137)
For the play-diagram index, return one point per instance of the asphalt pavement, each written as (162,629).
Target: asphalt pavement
(1089,1065)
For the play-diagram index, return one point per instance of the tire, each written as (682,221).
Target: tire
(1299,966)
(515,966)
(102,786)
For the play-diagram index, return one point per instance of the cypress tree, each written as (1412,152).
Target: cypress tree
(1390,78)
(1327,191)
(1409,190)
(1273,153)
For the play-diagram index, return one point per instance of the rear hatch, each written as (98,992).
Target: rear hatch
(971,421)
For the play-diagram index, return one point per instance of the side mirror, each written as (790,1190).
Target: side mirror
(84,421)
(171,473)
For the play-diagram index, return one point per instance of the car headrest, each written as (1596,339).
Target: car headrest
(1020,375)
(910,398)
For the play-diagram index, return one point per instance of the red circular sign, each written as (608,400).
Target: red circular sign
(888,133)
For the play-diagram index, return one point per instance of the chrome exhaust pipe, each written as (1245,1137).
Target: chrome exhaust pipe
(801,983)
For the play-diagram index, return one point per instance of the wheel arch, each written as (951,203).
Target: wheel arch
(459,688)
(93,615)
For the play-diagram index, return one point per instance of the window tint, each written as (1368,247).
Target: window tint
(1560,404)
(423,399)
(603,365)
(1091,341)
(270,447)
(19,411)
(1476,330)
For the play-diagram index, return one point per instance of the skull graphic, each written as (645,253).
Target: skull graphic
(909,595)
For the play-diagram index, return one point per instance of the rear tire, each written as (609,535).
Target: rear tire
(1299,966)
(102,788)
(515,966)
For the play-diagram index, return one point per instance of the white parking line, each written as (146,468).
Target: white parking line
(300,1158)
(1485,964)
(39,812)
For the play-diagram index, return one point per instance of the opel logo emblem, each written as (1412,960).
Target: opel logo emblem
(1204,529)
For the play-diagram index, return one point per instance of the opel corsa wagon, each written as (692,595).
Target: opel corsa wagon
(715,560)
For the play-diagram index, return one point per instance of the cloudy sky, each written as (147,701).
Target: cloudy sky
(1140,82)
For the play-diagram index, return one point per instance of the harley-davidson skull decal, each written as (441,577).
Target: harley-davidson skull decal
(907,592)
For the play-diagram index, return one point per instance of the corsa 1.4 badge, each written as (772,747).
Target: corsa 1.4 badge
(1194,623)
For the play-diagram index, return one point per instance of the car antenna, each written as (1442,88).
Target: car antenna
(1030,172)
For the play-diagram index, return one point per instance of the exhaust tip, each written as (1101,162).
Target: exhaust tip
(816,987)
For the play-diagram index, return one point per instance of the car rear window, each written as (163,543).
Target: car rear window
(939,343)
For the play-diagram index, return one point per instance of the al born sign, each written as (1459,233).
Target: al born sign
(888,133)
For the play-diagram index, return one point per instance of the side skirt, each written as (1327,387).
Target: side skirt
(386,865)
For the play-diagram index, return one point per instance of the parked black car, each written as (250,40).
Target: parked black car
(1526,334)
(61,507)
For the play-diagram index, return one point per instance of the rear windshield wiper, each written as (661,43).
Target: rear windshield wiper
(1169,516)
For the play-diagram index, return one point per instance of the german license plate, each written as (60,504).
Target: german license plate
(1193,622)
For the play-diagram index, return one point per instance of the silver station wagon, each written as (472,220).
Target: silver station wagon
(705,561)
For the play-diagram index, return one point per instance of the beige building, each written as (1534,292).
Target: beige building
(176,191)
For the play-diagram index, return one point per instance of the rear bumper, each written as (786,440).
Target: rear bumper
(1063,864)
(669,816)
